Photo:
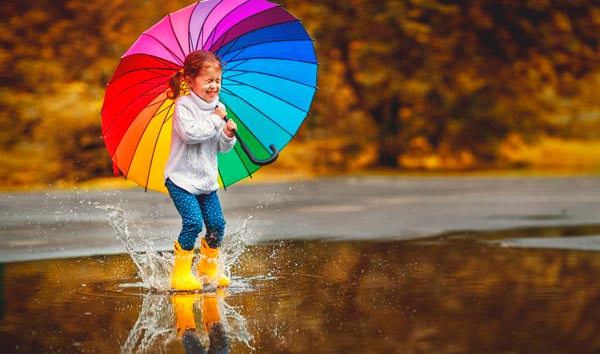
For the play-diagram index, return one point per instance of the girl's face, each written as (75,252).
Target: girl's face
(207,84)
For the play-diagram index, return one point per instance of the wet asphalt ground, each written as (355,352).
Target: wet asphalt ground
(368,265)
(58,224)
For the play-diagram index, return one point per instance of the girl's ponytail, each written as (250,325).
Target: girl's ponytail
(175,85)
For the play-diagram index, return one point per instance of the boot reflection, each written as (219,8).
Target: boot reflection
(185,324)
(211,317)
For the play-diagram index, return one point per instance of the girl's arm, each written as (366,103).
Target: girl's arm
(226,142)
(192,129)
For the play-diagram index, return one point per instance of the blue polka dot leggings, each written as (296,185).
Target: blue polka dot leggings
(196,210)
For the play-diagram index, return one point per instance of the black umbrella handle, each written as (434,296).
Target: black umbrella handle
(251,156)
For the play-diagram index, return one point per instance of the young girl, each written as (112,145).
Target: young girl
(200,131)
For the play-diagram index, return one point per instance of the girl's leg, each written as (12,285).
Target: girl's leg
(209,265)
(213,219)
(188,207)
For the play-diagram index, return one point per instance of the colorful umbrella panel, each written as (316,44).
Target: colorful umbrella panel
(269,80)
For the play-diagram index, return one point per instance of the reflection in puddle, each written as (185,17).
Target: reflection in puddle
(166,319)
(454,294)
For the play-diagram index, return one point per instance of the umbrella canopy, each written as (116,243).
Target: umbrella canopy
(269,80)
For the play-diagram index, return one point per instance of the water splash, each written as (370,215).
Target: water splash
(233,246)
(154,266)
(153,328)
(235,324)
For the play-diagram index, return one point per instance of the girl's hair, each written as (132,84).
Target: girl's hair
(193,64)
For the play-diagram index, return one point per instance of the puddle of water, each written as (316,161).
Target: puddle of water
(585,243)
(154,266)
(454,294)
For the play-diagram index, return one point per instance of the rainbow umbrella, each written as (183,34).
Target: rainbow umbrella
(269,80)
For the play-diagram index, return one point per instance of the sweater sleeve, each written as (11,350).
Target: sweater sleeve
(225,143)
(193,129)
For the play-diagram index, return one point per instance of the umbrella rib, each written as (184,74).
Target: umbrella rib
(241,160)
(231,46)
(155,145)
(234,59)
(273,58)
(226,33)
(243,164)
(136,83)
(242,72)
(149,69)
(166,48)
(222,55)
(167,65)
(190,44)
(261,112)
(201,33)
(160,103)
(200,37)
(250,131)
(114,121)
(221,175)
(176,38)
(269,94)
(138,142)
(255,137)
(145,94)
(219,23)
(238,153)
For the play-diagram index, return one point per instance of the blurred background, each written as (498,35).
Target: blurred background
(404,85)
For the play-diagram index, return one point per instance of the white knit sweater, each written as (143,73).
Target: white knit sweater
(197,138)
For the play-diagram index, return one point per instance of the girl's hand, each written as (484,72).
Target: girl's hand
(229,128)
(220,112)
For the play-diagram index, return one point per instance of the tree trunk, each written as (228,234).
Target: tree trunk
(385,115)
(386,158)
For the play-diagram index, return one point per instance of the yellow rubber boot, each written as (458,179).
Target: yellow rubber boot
(182,278)
(183,306)
(210,311)
(209,266)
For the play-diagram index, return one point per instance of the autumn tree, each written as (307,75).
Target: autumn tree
(56,59)
(397,78)
(453,76)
